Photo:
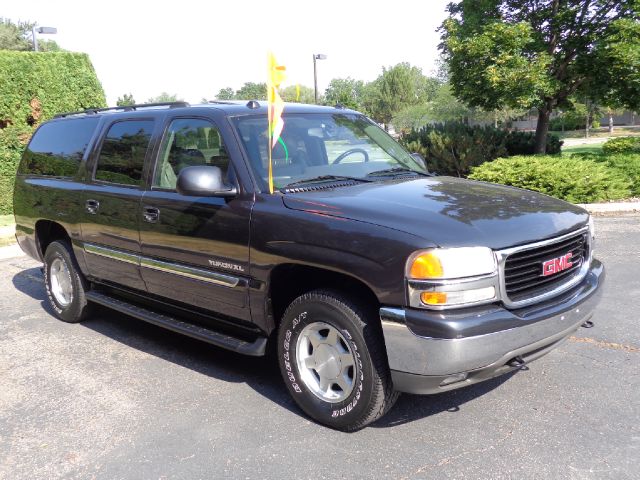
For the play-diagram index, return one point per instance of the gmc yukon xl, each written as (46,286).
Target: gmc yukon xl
(367,274)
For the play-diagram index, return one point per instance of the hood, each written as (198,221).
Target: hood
(448,211)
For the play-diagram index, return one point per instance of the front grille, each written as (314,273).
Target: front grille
(523,269)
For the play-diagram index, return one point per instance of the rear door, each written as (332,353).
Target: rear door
(110,230)
(195,250)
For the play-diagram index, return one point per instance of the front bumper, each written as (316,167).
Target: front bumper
(436,351)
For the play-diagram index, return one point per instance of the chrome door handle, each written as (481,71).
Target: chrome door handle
(92,206)
(150,214)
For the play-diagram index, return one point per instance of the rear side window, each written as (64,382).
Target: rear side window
(121,158)
(57,147)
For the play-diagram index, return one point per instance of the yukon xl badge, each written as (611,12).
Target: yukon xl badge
(556,265)
(226,265)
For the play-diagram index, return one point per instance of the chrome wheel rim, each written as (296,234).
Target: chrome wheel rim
(326,362)
(60,282)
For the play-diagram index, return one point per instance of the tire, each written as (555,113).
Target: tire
(318,333)
(65,284)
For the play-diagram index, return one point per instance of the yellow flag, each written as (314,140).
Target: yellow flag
(276,76)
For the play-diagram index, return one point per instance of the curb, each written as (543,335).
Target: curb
(611,208)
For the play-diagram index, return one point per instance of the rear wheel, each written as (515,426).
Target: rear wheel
(333,361)
(65,284)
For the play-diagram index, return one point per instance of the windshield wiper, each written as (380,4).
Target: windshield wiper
(325,178)
(397,171)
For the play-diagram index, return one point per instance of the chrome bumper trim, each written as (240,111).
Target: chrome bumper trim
(410,353)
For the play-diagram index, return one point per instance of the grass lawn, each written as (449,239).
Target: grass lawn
(592,148)
(6,220)
(601,132)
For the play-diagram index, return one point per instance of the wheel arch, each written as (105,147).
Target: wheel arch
(48,231)
(290,280)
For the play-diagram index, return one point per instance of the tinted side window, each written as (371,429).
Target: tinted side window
(57,147)
(189,142)
(123,150)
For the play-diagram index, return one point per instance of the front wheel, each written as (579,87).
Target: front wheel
(65,284)
(333,361)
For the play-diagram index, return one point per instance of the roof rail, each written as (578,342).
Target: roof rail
(224,102)
(124,108)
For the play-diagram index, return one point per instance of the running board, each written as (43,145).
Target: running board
(256,348)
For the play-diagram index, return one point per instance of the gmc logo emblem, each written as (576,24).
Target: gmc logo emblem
(556,265)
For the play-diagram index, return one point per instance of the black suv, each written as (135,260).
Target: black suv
(369,275)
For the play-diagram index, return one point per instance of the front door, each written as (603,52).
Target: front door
(110,230)
(195,250)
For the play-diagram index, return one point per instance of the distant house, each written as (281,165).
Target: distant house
(529,121)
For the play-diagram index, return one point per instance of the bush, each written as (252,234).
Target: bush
(33,87)
(622,145)
(453,148)
(523,143)
(12,142)
(578,180)
(628,165)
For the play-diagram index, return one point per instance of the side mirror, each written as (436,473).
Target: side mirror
(203,181)
(420,159)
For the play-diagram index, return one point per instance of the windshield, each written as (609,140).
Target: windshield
(321,146)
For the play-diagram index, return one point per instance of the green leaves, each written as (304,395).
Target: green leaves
(33,88)
(524,54)
(495,68)
(453,148)
(36,85)
(575,179)
(346,92)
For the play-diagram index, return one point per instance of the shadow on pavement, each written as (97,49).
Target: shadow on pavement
(409,408)
(259,373)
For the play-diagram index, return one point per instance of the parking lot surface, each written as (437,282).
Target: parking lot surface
(115,398)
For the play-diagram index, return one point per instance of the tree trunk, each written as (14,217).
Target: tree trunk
(587,124)
(544,114)
(610,122)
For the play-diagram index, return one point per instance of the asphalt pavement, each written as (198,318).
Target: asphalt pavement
(115,398)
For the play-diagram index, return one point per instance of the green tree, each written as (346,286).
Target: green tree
(19,36)
(345,91)
(523,53)
(297,94)
(165,97)
(226,94)
(126,99)
(252,91)
(446,107)
(395,89)
(15,36)
(616,80)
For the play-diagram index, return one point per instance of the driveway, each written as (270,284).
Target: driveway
(115,398)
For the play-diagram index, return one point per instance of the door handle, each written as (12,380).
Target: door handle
(150,214)
(92,206)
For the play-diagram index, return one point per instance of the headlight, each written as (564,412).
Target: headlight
(447,263)
(452,277)
(592,231)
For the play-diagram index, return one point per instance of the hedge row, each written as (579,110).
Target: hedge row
(622,145)
(453,148)
(34,86)
(577,179)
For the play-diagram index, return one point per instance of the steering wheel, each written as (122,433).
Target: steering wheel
(344,155)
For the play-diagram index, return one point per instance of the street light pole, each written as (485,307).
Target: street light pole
(46,30)
(316,56)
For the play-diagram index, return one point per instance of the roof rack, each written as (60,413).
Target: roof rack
(124,108)
(224,102)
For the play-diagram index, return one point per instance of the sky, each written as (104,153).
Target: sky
(195,48)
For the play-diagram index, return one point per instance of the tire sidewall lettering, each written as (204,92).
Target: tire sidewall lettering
(288,362)
(286,345)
